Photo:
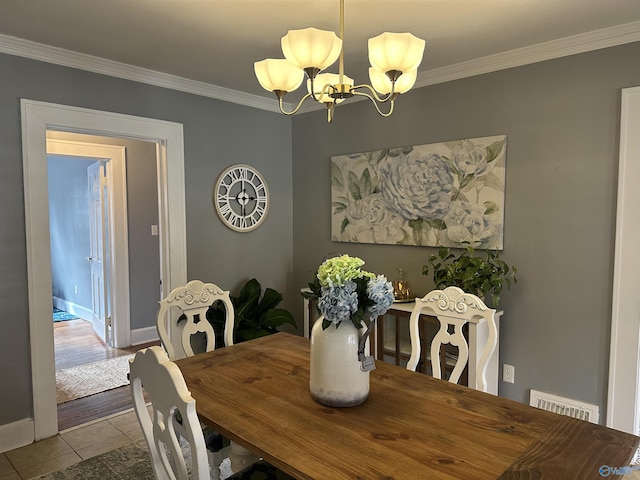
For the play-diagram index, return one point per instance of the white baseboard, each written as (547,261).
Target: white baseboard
(144,335)
(16,434)
(73,308)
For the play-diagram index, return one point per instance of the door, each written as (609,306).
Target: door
(96,258)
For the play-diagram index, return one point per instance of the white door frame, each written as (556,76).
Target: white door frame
(118,231)
(38,117)
(624,366)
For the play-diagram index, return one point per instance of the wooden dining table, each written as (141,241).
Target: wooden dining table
(411,427)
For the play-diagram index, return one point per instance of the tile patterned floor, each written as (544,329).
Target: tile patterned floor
(70,447)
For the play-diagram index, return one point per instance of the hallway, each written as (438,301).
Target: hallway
(77,344)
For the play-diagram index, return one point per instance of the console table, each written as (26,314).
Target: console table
(477,337)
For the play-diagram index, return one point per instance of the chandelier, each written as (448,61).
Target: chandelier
(394,59)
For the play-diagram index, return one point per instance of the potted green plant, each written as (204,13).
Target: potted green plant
(482,276)
(254,316)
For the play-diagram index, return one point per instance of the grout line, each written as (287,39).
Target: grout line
(97,420)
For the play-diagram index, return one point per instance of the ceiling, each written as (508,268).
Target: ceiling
(216,42)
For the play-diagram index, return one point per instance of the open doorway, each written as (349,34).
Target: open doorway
(89,236)
(82,214)
(37,118)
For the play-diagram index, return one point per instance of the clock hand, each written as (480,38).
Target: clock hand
(244,192)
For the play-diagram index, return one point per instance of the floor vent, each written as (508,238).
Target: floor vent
(564,406)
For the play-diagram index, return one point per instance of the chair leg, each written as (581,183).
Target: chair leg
(240,457)
(215,459)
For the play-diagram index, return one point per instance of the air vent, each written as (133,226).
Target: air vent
(564,406)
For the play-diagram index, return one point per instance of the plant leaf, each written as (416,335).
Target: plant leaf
(365,183)
(338,207)
(354,186)
(337,182)
(494,150)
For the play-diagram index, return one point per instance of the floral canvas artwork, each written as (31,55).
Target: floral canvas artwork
(443,194)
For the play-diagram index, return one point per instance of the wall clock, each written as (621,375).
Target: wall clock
(241,198)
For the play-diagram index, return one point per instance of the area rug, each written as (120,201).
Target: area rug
(132,462)
(125,463)
(61,315)
(85,380)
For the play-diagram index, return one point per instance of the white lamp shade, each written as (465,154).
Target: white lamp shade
(396,51)
(311,47)
(382,84)
(278,74)
(324,79)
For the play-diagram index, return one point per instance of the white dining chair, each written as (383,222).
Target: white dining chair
(182,325)
(454,309)
(182,319)
(152,372)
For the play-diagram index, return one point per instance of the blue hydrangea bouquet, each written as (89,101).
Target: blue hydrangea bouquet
(345,292)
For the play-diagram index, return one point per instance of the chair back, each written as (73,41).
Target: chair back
(193,300)
(152,372)
(453,308)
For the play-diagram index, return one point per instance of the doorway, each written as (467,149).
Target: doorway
(37,117)
(77,154)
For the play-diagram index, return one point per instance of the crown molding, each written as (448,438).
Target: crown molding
(90,63)
(598,39)
(563,47)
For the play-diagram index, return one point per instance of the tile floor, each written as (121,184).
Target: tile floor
(70,447)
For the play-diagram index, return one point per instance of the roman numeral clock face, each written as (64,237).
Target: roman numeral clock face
(241,198)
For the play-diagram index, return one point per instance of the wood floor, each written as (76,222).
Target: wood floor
(77,344)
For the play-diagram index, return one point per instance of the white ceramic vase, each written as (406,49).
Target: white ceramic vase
(336,375)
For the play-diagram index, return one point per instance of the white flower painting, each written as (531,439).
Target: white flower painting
(443,194)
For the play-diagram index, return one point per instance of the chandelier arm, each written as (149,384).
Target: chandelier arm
(375,103)
(373,94)
(325,91)
(295,110)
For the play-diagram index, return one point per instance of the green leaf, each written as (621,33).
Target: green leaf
(465,180)
(417,227)
(254,317)
(365,183)
(490,207)
(437,224)
(354,186)
(484,277)
(337,182)
(494,150)
(338,207)
(343,225)
(277,317)
(376,157)
(491,180)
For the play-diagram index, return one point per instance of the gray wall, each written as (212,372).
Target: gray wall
(69,228)
(216,134)
(142,212)
(561,118)
(562,122)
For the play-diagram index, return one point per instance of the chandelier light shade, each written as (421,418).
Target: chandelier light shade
(394,59)
(382,84)
(311,48)
(278,74)
(395,51)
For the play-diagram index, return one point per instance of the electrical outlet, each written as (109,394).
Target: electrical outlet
(75,289)
(508,373)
